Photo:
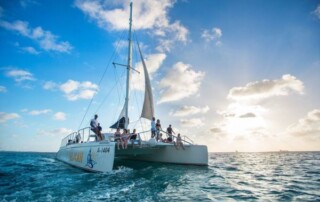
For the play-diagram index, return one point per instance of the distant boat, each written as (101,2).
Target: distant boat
(81,150)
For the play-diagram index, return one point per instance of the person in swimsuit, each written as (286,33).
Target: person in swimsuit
(133,137)
(124,139)
(117,138)
(179,142)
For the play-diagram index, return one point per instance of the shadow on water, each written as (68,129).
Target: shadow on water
(138,165)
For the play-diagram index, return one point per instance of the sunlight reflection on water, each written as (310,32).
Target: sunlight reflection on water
(229,177)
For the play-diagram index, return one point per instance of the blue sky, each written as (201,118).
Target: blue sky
(235,75)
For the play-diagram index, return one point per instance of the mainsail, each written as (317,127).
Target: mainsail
(148,109)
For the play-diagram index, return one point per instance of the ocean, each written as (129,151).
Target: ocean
(274,176)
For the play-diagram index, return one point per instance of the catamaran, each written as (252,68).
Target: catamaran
(82,150)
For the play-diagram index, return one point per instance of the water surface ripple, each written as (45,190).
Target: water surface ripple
(274,176)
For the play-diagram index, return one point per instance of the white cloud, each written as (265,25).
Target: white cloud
(30,50)
(308,126)
(27,49)
(180,82)
(49,85)
(189,110)
(316,12)
(218,131)
(45,39)
(3,89)
(59,132)
(147,14)
(120,44)
(267,88)
(194,122)
(75,90)
(153,63)
(25,3)
(165,45)
(8,116)
(60,116)
(20,75)
(247,115)
(241,119)
(39,112)
(242,110)
(213,35)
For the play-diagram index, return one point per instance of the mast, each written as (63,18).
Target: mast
(128,70)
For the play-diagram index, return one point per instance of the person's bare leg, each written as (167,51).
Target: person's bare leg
(182,146)
(176,145)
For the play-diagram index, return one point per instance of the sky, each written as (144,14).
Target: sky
(233,75)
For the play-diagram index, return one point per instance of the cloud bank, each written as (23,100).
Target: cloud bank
(190,110)
(46,40)
(4,117)
(308,126)
(74,90)
(180,82)
(150,15)
(267,88)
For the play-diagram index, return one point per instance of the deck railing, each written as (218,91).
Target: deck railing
(86,134)
(183,138)
(83,135)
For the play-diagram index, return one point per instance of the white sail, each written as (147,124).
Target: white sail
(148,109)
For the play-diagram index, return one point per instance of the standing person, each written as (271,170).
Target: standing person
(170,131)
(158,128)
(94,127)
(153,127)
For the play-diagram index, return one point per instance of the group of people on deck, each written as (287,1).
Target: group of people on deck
(156,133)
(125,137)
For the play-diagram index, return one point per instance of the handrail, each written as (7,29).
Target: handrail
(187,138)
(74,138)
(183,140)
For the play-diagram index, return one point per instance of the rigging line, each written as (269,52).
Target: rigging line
(108,64)
(117,79)
(116,74)
(105,98)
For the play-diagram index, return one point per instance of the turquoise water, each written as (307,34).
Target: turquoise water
(292,176)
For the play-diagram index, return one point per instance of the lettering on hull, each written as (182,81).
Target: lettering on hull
(76,156)
(103,150)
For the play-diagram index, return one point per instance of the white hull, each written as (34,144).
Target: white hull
(168,153)
(91,156)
